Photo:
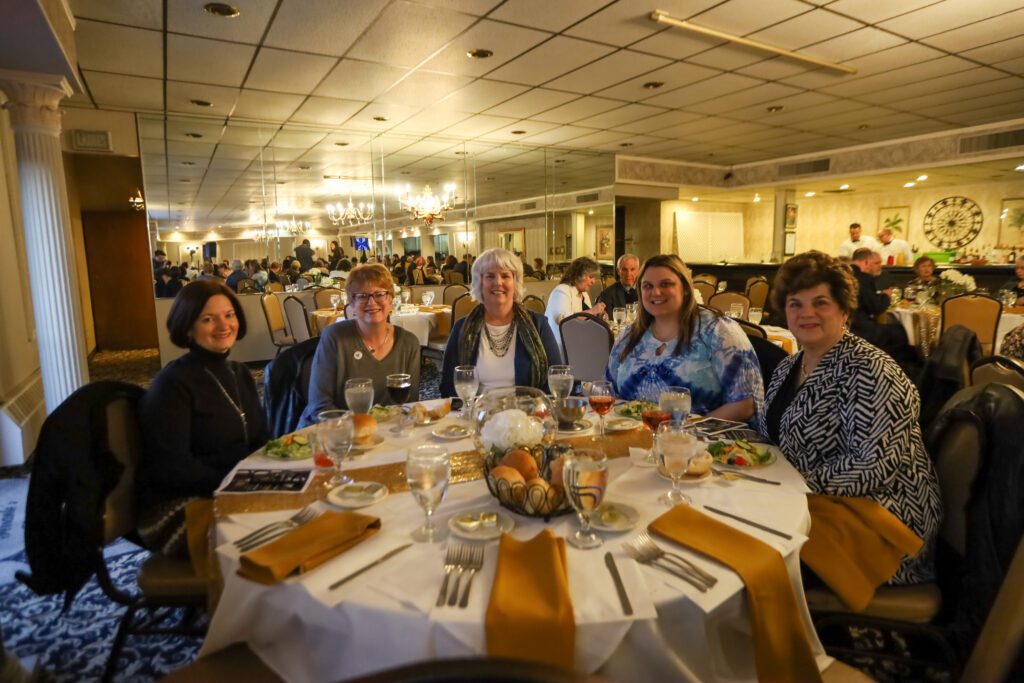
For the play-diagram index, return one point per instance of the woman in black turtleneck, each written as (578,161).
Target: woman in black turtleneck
(199,418)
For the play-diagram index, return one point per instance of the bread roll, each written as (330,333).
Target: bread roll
(363,428)
(522,461)
(512,479)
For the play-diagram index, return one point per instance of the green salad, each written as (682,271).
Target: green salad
(635,409)
(739,453)
(289,447)
(384,413)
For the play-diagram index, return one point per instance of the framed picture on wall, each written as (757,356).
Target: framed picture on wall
(897,219)
(789,248)
(1011,222)
(605,243)
(791,216)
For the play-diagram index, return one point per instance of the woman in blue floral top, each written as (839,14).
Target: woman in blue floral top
(675,343)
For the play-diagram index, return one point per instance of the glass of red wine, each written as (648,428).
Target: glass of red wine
(601,400)
(652,417)
(399,385)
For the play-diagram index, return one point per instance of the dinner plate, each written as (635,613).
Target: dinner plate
(773,455)
(451,432)
(621,424)
(481,533)
(432,405)
(292,452)
(375,440)
(385,413)
(624,410)
(578,426)
(357,495)
(614,517)
(687,478)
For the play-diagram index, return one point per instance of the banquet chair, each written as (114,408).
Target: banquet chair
(247,286)
(322,297)
(752,279)
(757,292)
(298,318)
(534,303)
(977,312)
(462,306)
(706,289)
(586,343)
(274,287)
(708,278)
(752,329)
(274,315)
(724,300)
(286,387)
(235,663)
(417,276)
(453,277)
(453,292)
(1000,369)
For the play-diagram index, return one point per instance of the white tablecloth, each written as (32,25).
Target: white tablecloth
(420,324)
(908,318)
(386,617)
(781,333)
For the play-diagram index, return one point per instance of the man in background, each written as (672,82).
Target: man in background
(894,252)
(304,253)
(624,290)
(871,304)
(236,274)
(857,240)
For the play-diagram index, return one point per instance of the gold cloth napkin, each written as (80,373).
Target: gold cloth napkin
(530,614)
(308,546)
(782,651)
(855,545)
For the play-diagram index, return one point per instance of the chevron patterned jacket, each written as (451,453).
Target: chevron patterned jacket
(852,430)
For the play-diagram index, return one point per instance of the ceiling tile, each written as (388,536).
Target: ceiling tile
(878,62)
(773,93)
(673,76)
(608,71)
(475,7)
(578,109)
(532,102)
(326,111)
(423,88)
(207,61)
(729,56)
(806,29)
(873,12)
(718,86)
(531,127)
(897,77)
(792,103)
(1013,66)
(118,49)
(327,27)
(676,44)
(356,80)
(544,14)
(1009,25)
(954,82)
(293,137)
(929,99)
(624,114)
(854,44)
(628,21)
(394,114)
(559,135)
(188,17)
(431,120)
(946,15)
(658,122)
(290,72)
(236,152)
(742,17)
(180,96)
(504,40)
(987,114)
(130,92)
(600,139)
(998,52)
(482,94)
(141,13)
(239,133)
(550,60)
(774,68)
(266,106)
(405,34)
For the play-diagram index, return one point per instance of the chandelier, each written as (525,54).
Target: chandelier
(294,227)
(264,234)
(351,214)
(427,206)
(136,202)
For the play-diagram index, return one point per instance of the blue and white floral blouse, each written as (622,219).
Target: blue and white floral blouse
(719,367)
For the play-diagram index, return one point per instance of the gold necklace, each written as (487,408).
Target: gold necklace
(381,345)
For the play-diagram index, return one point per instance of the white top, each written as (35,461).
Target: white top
(563,301)
(900,252)
(849,246)
(491,370)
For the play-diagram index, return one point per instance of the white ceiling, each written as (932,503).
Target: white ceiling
(568,73)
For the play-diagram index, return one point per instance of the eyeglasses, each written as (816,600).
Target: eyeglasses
(380,296)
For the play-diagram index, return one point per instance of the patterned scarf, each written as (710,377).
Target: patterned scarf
(526,334)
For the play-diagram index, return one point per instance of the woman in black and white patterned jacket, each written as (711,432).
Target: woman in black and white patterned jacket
(843,412)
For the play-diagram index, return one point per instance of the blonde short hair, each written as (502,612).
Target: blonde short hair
(502,258)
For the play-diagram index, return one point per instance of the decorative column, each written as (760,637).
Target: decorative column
(33,101)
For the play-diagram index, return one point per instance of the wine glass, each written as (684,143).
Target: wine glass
(601,400)
(895,296)
(466,385)
(675,447)
(560,380)
(619,316)
(585,474)
(428,470)
(334,433)
(631,309)
(755,315)
(399,385)
(736,311)
(406,295)
(428,297)
(335,300)
(359,394)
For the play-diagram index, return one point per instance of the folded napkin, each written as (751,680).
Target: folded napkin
(308,546)
(530,613)
(855,545)
(782,651)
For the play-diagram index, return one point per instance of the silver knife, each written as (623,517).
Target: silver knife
(744,475)
(609,560)
(383,558)
(762,527)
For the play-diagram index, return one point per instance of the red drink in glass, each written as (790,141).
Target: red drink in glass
(602,404)
(654,417)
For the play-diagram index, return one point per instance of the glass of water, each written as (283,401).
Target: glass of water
(334,433)
(560,380)
(406,295)
(428,297)
(359,394)
(736,311)
(755,315)
(585,474)
(631,309)
(466,385)
(675,447)
(676,402)
(428,470)
(619,316)
(335,300)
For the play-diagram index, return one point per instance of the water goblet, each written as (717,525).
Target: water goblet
(406,295)
(466,385)
(631,309)
(601,400)
(334,434)
(359,394)
(676,448)
(428,471)
(736,311)
(335,300)
(560,380)
(619,316)
(585,474)
(755,315)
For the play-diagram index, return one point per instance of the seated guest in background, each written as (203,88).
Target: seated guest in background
(336,253)
(293,271)
(538,268)
(508,344)
(258,275)
(449,262)
(159,259)
(1016,283)
(924,272)
(199,418)
(888,336)
(275,273)
(675,343)
(237,273)
(624,290)
(857,240)
(223,271)
(463,267)
(843,412)
(364,345)
(168,284)
(570,295)
(207,273)
(1013,343)
(894,252)
(527,268)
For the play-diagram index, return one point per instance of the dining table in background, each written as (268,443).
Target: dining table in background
(422,321)
(782,337)
(386,617)
(922,324)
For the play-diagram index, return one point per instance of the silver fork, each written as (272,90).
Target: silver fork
(461,563)
(638,554)
(295,522)
(646,541)
(475,563)
(273,526)
(450,562)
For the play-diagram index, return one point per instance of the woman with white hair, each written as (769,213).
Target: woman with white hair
(508,344)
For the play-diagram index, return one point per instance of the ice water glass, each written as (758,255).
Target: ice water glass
(466,385)
(755,315)
(736,311)
(428,471)
(675,448)
(676,402)
(406,295)
(619,316)
(560,380)
(334,434)
(335,300)
(631,310)
(359,394)
(585,474)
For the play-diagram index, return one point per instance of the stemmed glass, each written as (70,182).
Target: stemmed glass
(359,394)
(399,385)
(619,316)
(736,311)
(560,380)
(601,400)
(335,300)
(676,448)
(428,470)
(406,295)
(755,315)
(585,474)
(428,297)
(631,309)
(334,433)
(466,385)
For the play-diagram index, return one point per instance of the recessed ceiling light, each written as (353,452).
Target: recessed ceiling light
(519,132)
(490,177)
(188,163)
(757,198)
(1019,168)
(381,118)
(461,154)
(910,184)
(922,178)
(341,144)
(863,126)
(304,167)
(559,161)
(405,172)
(221,9)
(282,182)
(775,108)
(202,103)
(625,144)
(653,85)
(590,213)
(332,177)
(184,180)
(479,54)
(844,186)
(694,199)
(809,194)
(194,135)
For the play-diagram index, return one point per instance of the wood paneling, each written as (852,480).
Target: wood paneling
(120,279)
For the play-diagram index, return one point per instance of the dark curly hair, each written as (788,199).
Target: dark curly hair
(811,269)
(578,268)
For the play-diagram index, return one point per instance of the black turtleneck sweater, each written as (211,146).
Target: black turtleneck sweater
(192,433)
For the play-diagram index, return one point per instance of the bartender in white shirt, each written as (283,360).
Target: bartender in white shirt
(857,241)
(894,252)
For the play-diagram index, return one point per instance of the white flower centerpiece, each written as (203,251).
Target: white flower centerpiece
(953,282)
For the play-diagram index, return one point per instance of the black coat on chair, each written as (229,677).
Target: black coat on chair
(286,387)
